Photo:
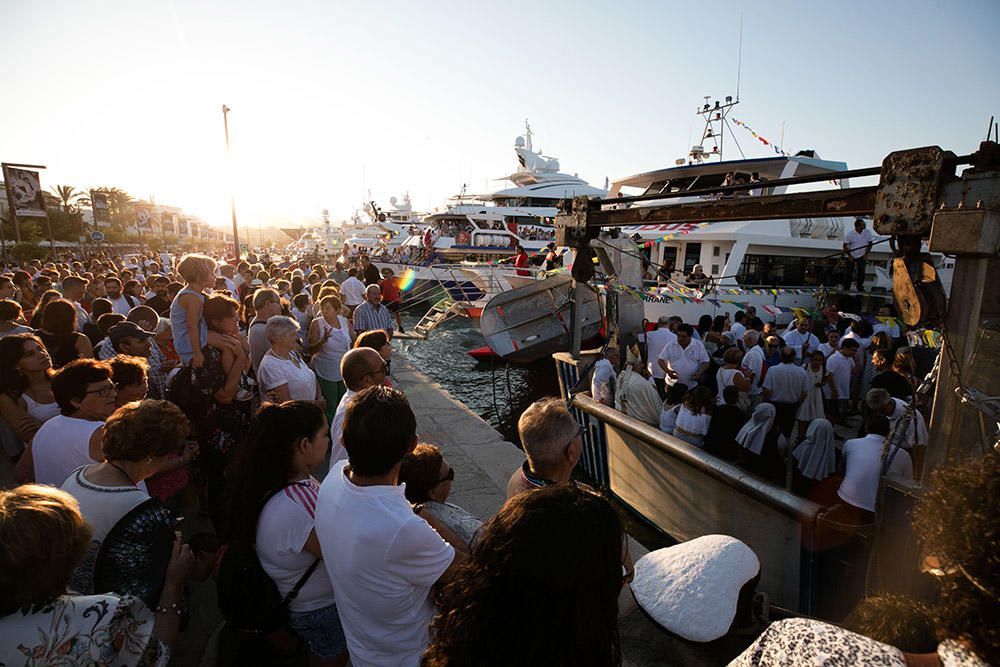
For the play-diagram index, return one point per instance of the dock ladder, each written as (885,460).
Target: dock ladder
(439,313)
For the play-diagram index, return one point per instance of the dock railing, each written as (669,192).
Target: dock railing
(687,492)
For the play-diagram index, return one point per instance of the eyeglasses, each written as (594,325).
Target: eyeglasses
(579,434)
(381,371)
(106,391)
(450,477)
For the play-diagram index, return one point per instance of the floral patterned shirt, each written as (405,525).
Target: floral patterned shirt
(82,631)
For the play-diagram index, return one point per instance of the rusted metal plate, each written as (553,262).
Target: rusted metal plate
(908,191)
(964,232)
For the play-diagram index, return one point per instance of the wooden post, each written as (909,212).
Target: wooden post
(954,430)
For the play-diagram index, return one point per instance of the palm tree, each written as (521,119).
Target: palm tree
(67,196)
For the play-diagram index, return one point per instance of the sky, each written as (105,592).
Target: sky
(330,99)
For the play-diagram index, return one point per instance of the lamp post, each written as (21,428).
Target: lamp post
(232,192)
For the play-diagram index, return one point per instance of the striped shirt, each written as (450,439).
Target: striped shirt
(369,318)
(304,494)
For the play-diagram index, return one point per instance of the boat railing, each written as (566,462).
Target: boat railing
(686,492)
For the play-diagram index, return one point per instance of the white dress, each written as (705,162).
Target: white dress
(812,406)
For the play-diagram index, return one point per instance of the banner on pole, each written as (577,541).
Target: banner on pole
(99,204)
(26,192)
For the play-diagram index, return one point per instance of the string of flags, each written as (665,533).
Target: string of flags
(652,296)
(650,243)
(777,149)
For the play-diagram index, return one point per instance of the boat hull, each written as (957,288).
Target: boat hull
(532,322)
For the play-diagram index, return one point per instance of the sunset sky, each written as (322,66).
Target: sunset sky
(332,99)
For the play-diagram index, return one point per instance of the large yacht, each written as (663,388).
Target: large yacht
(490,226)
(768,264)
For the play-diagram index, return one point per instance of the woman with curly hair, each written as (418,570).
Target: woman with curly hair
(562,546)
(141,439)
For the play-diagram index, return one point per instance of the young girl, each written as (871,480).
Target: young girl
(189,327)
(671,406)
(694,416)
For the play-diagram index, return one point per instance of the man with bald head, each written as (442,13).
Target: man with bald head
(361,368)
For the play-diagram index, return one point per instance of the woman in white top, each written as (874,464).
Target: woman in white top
(732,374)
(26,400)
(694,416)
(330,337)
(141,439)
(283,374)
(273,510)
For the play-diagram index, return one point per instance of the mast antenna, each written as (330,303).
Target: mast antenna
(739,60)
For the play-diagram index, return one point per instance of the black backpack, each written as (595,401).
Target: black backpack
(248,598)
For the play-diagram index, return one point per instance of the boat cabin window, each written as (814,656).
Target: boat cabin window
(786,270)
(692,256)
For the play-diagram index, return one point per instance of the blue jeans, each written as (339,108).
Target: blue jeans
(321,629)
(857,268)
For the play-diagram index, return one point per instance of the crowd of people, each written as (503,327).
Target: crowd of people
(258,394)
(770,400)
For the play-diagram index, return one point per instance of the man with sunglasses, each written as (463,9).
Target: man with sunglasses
(361,368)
(86,397)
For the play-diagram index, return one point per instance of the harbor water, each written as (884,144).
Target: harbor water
(496,391)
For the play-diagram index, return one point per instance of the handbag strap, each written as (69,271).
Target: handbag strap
(294,593)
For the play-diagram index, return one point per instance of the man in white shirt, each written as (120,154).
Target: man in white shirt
(802,340)
(753,366)
(602,384)
(831,345)
(886,323)
(266,304)
(353,290)
(857,245)
(863,465)
(74,289)
(684,360)
(360,368)
(840,365)
(785,386)
(120,303)
(656,340)
(383,556)
(738,328)
(912,431)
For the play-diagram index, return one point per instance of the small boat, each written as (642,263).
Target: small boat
(532,322)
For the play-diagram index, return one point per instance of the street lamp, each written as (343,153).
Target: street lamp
(232,192)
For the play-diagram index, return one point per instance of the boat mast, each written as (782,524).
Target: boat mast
(715,114)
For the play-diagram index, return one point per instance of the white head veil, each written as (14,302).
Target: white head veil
(815,454)
(752,435)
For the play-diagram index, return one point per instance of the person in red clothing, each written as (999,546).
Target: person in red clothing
(521,261)
(391,296)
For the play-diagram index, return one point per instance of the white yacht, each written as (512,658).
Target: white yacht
(457,246)
(766,264)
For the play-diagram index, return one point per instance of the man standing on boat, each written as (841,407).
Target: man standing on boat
(857,245)
(684,360)
(521,261)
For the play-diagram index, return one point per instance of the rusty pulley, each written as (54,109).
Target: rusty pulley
(916,286)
